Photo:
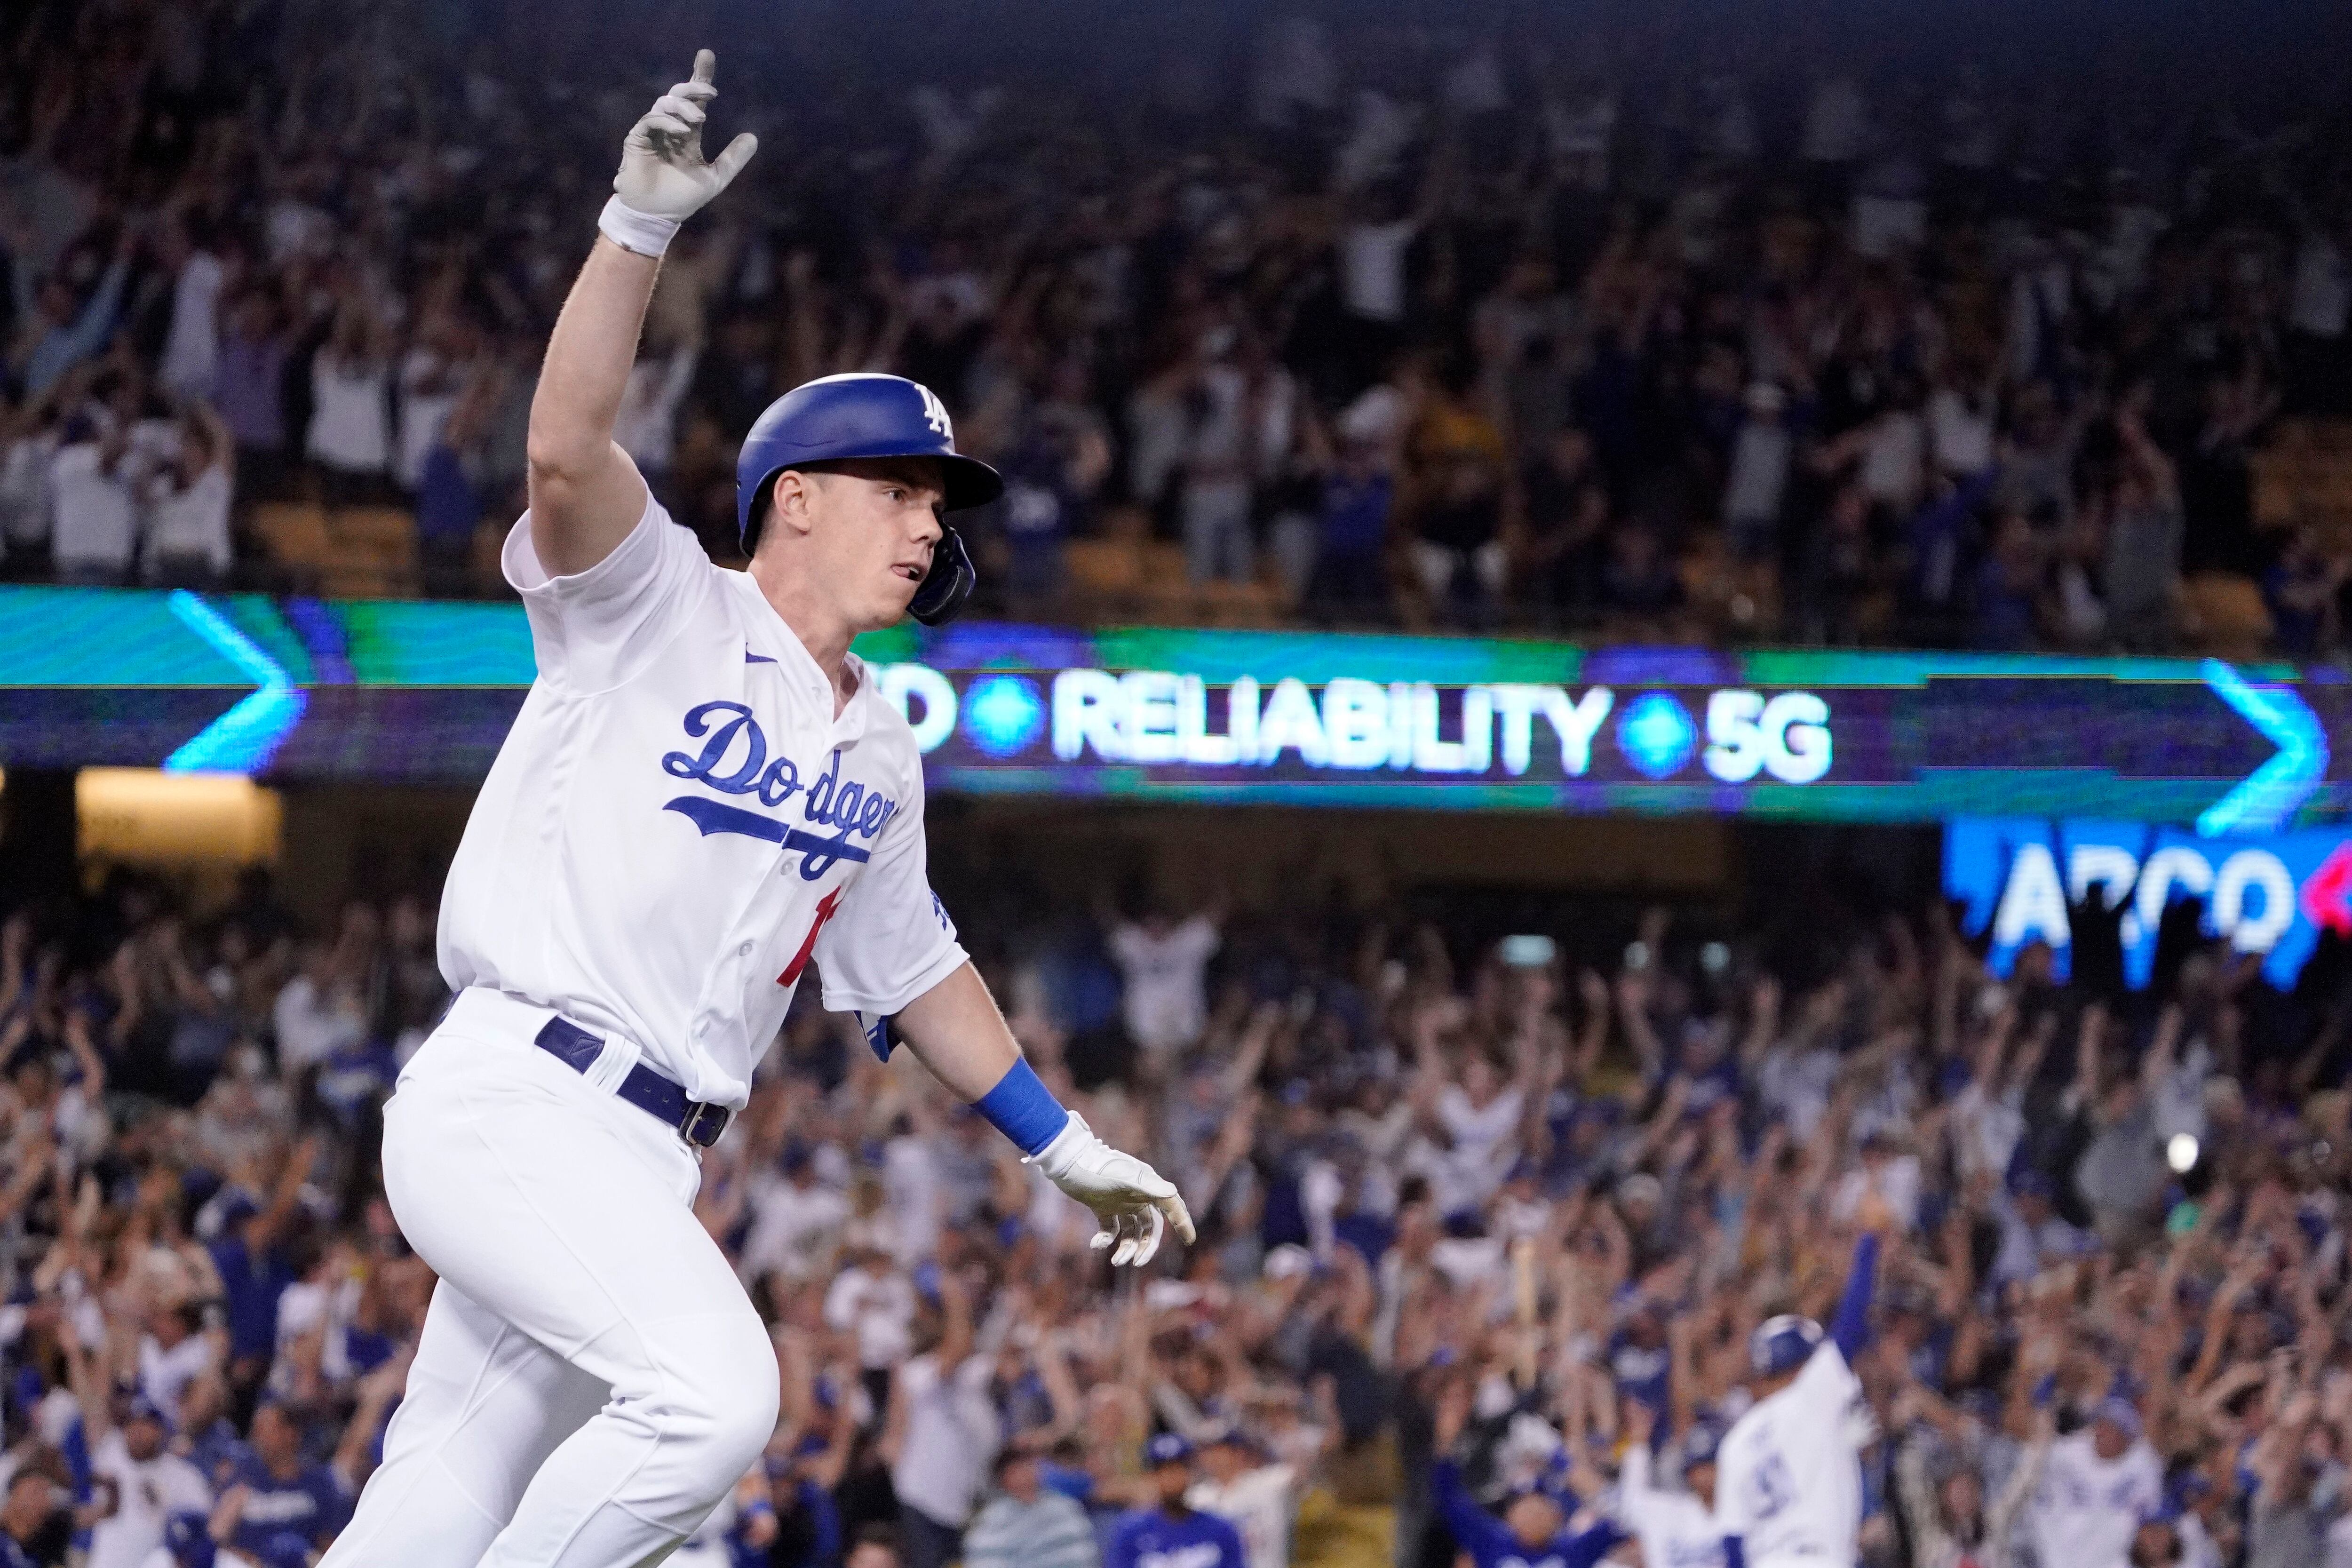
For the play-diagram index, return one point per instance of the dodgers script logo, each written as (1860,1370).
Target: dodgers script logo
(827,801)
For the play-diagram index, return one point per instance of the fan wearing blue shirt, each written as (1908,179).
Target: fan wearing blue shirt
(250,1254)
(278,1492)
(1173,1535)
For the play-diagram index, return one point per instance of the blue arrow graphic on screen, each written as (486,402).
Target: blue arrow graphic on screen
(241,740)
(2266,797)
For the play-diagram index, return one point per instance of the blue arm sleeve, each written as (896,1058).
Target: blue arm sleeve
(1850,1327)
(1735,1554)
(1474,1529)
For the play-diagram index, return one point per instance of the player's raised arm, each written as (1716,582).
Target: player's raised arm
(585,493)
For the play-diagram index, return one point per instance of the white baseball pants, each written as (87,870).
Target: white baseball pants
(592,1378)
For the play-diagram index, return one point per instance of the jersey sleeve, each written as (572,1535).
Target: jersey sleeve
(1826,1387)
(892,940)
(597,629)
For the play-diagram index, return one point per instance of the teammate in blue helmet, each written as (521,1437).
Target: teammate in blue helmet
(1789,1486)
(1782,1344)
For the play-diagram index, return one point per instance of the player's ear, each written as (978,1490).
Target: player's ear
(787,500)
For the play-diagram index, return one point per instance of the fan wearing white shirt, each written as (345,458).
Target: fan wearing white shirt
(94,504)
(1165,963)
(137,1484)
(1674,1529)
(1258,1498)
(187,500)
(2096,1487)
(795,1217)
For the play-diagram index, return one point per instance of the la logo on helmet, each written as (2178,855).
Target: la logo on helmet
(935,415)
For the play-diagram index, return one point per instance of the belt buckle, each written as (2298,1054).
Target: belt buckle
(699,1114)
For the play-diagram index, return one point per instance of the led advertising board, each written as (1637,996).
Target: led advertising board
(422,692)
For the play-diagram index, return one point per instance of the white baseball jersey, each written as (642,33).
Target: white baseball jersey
(679,821)
(2086,1510)
(147,1493)
(1259,1504)
(1787,1481)
(1674,1529)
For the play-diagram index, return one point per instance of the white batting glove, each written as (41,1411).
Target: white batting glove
(663,178)
(1133,1202)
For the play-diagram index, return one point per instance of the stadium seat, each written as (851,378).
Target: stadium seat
(295,533)
(2303,477)
(374,554)
(2227,615)
(1104,568)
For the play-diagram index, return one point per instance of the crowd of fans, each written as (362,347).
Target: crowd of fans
(1415,326)
(1490,1203)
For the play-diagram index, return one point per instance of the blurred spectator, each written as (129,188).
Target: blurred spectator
(1157,325)
(91,485)
(186,498)
(248,379)
(1026,1525)
(1164,961)
(2145,530)
(350,439)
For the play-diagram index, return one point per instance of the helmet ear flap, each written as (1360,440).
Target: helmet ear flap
(762,503)
(946,584)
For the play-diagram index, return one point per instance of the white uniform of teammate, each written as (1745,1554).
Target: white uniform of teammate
(1674,1527)
(1788,1483)
(688,809)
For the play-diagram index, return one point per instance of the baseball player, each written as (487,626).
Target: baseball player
(704,792)
(1788,1491)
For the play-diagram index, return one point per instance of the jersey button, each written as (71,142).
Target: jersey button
(744,950)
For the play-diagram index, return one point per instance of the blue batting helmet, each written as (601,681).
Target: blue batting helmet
(867,416)
(1782,1344)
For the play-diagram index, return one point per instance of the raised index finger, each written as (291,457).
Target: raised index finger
(706,66)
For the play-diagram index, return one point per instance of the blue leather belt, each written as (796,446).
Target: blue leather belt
(697,1122)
